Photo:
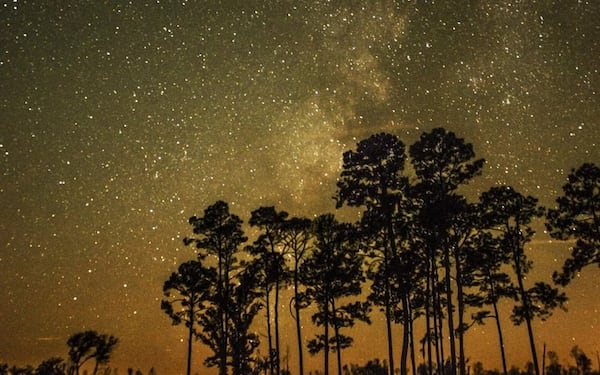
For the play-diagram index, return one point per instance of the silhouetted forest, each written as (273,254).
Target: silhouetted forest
(421,251)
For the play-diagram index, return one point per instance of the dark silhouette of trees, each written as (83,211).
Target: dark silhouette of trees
(510,214)
(104,349)
(554,367)
(584,363)
(463,231)
(17,370)
(426,250)
(332,272)
(407,297)
(578,217)
(485,258)
(371,178)
(218,234)
(81,349)
(297,237)
(372,367)
(186,291)
(244,306)
(52,366)
(442,163)
(87,345)
(271,249)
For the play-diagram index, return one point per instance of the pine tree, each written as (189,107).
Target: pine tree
(578,217)
(332,272)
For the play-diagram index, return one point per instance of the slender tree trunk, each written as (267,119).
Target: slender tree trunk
(236,354)
(544,360)
(450,308)
(532,344)
(526,305)
(190,337)
(405,335)
(223,315)
(428,314)
(428,325)
(298,323)
(388,325)
(227,306)
(276,311)
(439,337)
(413,361)
(411,339)
(390,250)
(438,322)
(326,348)
(461,314)
(338,348)
(269,331)
(530,329)
(500,338)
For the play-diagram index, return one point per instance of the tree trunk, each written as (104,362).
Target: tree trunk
(438,322)
(326,348)
(500,338)
(532,344)
(461,314)
(388,325)
(413,361)
(428,313)
(190,337)
(450,308)
(223,294)
(276,311)
(405,336)
(298,323)
(338,349)
(389,251)
(269,331)
(525,299)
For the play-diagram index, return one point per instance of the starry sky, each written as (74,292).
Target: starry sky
(120,120)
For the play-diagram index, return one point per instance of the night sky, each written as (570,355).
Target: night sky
(120,120)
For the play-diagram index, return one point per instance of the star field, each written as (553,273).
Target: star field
(120,120)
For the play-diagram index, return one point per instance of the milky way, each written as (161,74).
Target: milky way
(120,120)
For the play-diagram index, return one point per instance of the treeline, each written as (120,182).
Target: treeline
(84,347)
(58,366)
(422,249)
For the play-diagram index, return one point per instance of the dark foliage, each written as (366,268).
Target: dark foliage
(578,217)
